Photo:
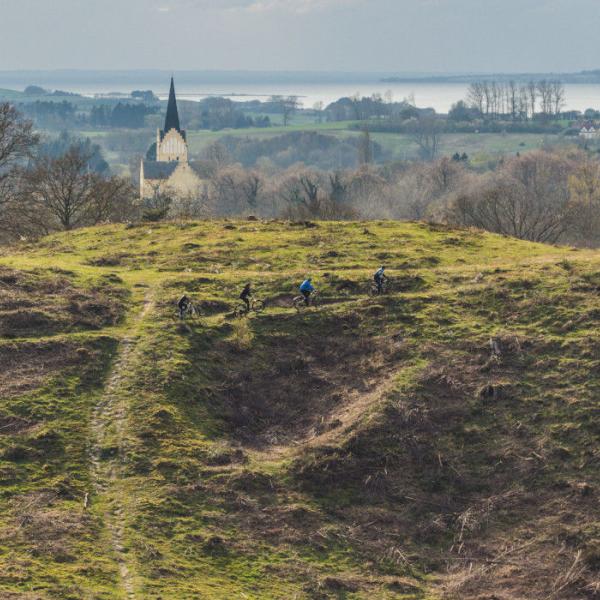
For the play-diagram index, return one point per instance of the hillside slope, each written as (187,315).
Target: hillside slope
(439,441)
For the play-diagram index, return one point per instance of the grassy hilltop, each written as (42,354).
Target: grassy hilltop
(439,441)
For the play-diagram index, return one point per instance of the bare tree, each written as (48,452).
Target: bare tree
(558,96)
(306,196)
(252,186)
(513,99)
(217,154)
(338,188)
(67,195)
(113,200)
(584,185)
(318,108)
(487,94)
(528,198)
(227,190)
(370,193)
(365,148)
(532,91)
(357,106)
(288,105)
(545,91)
(426,132)
(475,96)
(302,190)
(524,102)
(17,138)
(17,141)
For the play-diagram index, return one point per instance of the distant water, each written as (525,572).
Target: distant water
(439,96)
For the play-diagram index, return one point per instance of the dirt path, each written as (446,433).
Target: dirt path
(108,451)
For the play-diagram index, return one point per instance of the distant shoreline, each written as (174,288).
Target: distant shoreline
(208,77)
(586,77)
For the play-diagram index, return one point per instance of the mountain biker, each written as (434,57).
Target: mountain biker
(380,278)
(183,305)
(246,295)
(306,289)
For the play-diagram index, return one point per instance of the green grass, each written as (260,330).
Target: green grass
(361,449)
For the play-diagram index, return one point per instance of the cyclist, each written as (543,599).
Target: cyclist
(306,289)
(380,278)
(246,295)
(183,305)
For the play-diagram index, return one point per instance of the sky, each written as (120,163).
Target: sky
(426,36)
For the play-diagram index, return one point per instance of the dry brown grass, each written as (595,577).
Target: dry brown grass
(26,366)
(35,303)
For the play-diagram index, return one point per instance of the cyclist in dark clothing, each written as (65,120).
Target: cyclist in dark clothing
(246,295)
(183,305)
(380,278)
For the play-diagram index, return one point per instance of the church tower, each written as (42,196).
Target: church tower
(171,143)
(170,172)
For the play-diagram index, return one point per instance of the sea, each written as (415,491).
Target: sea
(309,88)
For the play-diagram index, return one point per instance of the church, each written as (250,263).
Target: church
(170,173)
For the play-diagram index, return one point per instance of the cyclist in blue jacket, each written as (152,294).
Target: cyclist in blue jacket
(306,289)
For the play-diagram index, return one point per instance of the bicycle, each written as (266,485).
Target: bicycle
(374,288)
(189,311)
(241,310)
(299,302)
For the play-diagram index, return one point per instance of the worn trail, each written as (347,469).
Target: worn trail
(108,451)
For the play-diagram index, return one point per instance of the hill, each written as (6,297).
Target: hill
(438,441)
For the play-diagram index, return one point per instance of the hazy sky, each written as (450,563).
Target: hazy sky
(349,35)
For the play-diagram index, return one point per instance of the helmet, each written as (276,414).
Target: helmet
(382,268)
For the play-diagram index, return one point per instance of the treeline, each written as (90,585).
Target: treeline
(62,115)
(222,113)
(542,99)
(377,107)
(53,115)
(123,115)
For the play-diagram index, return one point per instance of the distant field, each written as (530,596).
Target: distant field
(480,147)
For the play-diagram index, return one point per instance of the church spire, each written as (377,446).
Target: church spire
(172,118)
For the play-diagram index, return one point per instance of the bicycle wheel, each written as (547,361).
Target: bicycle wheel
(373,291)
(298,303)
(258,306)
(240,311)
